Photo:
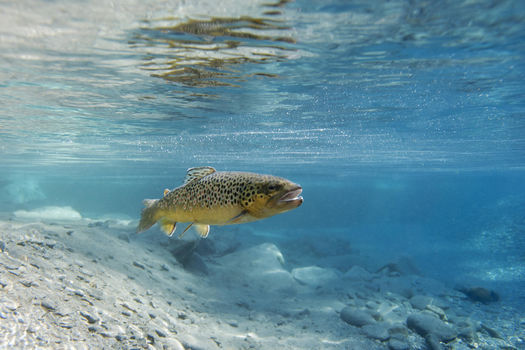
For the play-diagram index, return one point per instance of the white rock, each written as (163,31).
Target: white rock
(49,213)
(314,275)
(260,266)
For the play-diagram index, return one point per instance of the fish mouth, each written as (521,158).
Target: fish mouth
(291,198)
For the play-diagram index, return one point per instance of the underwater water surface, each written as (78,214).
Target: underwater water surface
(404,121)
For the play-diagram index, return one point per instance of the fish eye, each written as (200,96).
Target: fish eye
(273,187)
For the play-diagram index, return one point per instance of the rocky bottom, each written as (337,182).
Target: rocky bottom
(89,284)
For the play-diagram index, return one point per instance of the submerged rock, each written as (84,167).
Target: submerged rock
(398,344)
(313,275)
(356,317)
(259,267)
(426,325)
(357,273)
(420,302)
(480,294)
(377,331)
(403,266)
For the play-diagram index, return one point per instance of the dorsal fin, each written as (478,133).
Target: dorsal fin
(197,173)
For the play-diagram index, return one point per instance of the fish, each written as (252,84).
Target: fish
(209,197)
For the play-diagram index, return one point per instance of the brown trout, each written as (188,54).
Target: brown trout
(210,197)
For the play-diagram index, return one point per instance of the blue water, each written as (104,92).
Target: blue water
(403,121)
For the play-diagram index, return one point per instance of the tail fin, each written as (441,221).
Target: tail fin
(148,217)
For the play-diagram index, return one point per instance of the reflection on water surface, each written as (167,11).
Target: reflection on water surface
(208,52)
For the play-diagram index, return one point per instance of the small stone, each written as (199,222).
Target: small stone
(28,284)
(139,265)
(79,293)
(164,267)
(425,324)
(160,333)
(9,305)
(120,337)
(46,304)
(356,317)
(89,317)
(3,246)
(376,331)
(67,325)
(95,293)
(233,323)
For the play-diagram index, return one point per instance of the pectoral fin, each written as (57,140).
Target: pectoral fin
(168,226)
(202,229)
(237,218)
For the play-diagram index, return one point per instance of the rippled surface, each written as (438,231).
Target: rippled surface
(318,84)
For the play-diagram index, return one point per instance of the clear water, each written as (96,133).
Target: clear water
(403,121)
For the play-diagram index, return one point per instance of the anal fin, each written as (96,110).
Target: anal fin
(202,229)
(168,226)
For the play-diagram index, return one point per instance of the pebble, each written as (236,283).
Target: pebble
(160,333)
(139,265)
(89,317)
(46,304)
(233,323)
(426,324)
(356,317)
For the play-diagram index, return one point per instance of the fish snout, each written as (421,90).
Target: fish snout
(291,199)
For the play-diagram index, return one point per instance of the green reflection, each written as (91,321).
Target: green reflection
(209,52)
